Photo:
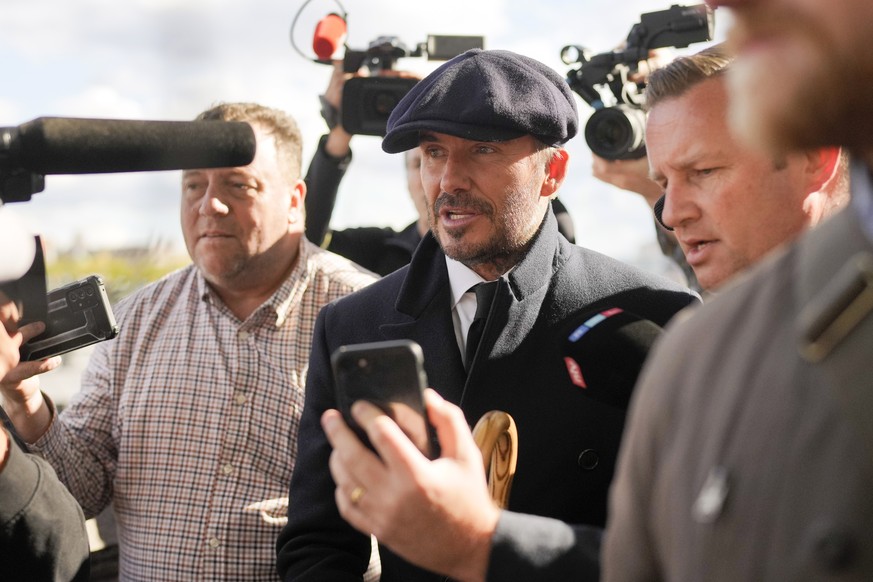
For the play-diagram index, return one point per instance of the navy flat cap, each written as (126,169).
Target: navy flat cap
(480,95)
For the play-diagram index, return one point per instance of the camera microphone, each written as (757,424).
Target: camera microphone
(330,33)
(604,351)
(59,145)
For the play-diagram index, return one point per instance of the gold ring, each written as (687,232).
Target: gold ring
(357,494)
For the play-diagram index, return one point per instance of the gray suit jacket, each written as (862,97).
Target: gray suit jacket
(748,454)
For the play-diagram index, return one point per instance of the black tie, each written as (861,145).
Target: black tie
(484,297)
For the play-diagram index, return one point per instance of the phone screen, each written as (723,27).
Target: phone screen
(391,375)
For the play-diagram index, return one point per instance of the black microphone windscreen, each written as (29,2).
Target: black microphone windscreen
(58,145)
(658,209)
(604,352)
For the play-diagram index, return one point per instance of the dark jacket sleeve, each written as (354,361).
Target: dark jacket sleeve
(322,184)
(533,548)
(42,528)
(317,543)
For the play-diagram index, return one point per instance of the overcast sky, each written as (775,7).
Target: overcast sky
(170,59)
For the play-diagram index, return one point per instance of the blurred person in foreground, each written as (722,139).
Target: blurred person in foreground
(42,528)
(749,450)
(190,415)
(490,126)
(379,249)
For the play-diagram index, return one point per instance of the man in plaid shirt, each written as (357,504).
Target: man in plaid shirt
(190,415)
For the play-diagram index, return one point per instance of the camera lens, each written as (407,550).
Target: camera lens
(617,133)
(384,103)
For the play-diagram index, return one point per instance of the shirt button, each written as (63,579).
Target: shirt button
(240,398)
(227,469)
(213,542)
(243,335)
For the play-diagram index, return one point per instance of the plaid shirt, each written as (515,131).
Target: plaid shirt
(190,415)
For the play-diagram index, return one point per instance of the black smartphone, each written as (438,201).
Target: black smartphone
(79,314)
(391,375)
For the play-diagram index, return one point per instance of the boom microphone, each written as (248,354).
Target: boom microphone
(604,352)
(59,145)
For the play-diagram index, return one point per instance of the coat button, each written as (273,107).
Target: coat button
(588,459)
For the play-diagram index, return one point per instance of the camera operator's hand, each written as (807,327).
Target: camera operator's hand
(657,58)
(10,338)
(19,386)
(630,175)
(338,139)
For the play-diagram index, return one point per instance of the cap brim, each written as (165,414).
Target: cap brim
(406,136)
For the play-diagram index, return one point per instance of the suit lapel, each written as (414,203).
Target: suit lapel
(425,298)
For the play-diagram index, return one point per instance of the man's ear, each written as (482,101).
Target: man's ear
(822,166)
(557,171)
(296,209)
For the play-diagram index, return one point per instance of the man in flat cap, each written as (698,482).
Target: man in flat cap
(490,126)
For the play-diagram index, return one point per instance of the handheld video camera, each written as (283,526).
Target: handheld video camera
(616,130)
(368,101)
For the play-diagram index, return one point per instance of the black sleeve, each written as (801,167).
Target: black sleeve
(42,528)
(533,548)
(322,184)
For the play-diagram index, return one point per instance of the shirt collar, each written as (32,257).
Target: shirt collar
(462,277)
(283,299)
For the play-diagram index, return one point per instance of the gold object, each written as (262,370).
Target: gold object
(497,438)
(356,495)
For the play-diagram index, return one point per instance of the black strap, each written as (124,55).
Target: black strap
(484,297)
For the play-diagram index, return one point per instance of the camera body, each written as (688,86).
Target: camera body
(79,314)
(616,129)
(368,101)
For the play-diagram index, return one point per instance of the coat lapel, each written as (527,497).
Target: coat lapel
(425,299)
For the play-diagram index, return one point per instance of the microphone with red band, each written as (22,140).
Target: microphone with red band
(63,145)
(604,351)
(330,33)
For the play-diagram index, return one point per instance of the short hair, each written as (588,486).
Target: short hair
(683,73)
(283,128)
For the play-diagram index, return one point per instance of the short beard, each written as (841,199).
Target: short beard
(512,237)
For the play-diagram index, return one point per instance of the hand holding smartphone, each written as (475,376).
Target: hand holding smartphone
(79,314)
(391,375)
